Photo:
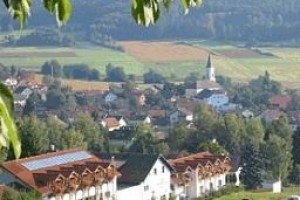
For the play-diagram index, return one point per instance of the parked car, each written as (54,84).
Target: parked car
(294,197)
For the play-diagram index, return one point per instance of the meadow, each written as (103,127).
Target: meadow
(175,59)
(261,195)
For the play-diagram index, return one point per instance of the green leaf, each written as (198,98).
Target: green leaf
(8,129)
(64,9)
(7,95)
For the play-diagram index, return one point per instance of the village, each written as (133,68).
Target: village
(161,142)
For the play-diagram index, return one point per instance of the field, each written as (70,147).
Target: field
(94,56)
(175,59)
(78,85)
(262,195)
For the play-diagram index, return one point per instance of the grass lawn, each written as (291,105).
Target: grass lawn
(262,195)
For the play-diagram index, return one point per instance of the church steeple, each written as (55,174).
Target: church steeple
(209,70)
(208,63)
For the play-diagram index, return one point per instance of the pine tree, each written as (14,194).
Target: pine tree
(296,147)
(251,174)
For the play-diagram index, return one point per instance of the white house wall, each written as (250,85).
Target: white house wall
(108,192)
(155,185)
(198,187)
(217,100)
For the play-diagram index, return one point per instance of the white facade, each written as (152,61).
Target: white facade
(217,100)
(156,185)
(106,191)
(11,82)
(199,187)
(210,74)
(122,122)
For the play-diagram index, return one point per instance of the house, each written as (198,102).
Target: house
(11,82)
(280,101)
(294,120)
(187,108)
(144,176)
(20,100)
(135,120)
(110,97)
(174,117)
(157,113)
(24,91)
(270,114)
(215,98)
(69,174)
(113,123)
(199,174)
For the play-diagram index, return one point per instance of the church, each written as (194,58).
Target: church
(208,83)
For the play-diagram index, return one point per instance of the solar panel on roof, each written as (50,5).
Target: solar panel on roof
(56,160)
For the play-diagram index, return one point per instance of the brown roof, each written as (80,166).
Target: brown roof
(206,84)
(155,113)
(111,122)
(186,106)
(281,101)
(194,160)
(38,172)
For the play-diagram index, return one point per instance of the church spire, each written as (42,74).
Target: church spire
(209,70)
(208,63)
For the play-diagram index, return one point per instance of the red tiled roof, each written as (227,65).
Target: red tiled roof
(281,101)
(192,161)
(111,122)
(32,178)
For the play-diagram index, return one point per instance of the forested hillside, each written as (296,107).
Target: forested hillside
(243,20)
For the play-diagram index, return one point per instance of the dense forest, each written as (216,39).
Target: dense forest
(238,20)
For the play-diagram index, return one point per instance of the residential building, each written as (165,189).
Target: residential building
(144,176)
(280,101)
(71,174)
(11,82)
(270,114)
(199,174)
(215,98)
(113,123)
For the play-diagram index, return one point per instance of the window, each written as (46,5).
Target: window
(220,183)
(155,171)
(201,189)
(146,188)
(107,194)
(163,169)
